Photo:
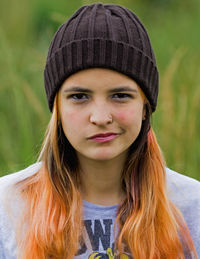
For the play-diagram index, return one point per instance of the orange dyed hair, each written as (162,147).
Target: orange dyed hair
(148,221)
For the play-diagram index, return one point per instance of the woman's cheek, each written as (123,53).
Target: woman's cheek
(72,116)
(125,117)
(71,119)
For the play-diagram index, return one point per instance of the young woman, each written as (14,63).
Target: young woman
(100,187)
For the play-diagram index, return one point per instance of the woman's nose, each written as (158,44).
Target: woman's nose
(100,115)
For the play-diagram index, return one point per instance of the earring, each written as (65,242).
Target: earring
(144,113)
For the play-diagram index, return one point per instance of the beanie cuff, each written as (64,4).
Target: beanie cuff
(105,53)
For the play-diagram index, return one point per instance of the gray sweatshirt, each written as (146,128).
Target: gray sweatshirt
(98,220)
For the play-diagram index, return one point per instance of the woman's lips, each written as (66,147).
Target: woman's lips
(104,138)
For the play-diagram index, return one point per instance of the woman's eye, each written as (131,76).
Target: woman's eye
(121,96)
(78,97)
(82,97)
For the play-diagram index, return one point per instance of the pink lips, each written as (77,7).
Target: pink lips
(104,137)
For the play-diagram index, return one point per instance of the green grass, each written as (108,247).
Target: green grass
(24,41)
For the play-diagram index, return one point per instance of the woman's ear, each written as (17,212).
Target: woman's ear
(144,112)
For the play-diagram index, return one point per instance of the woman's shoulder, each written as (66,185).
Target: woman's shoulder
(10,179)
(182,186)
(184,192)
(8,192)
(11,206)
(10,199)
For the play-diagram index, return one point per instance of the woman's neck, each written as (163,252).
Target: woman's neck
(101,180)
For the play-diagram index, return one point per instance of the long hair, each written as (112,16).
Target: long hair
(149,223)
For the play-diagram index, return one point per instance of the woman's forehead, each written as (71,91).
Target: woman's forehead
(99,79)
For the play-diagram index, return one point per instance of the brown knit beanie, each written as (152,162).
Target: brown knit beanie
(102,35)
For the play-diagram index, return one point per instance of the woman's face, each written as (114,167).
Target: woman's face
(92,102)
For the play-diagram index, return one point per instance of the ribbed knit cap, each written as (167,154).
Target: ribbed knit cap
(102,35)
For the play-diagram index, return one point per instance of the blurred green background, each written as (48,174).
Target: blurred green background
(26,29)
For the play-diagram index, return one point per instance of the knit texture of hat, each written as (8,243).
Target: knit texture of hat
(102,35)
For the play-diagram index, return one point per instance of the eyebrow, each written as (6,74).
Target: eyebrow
(116,89)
